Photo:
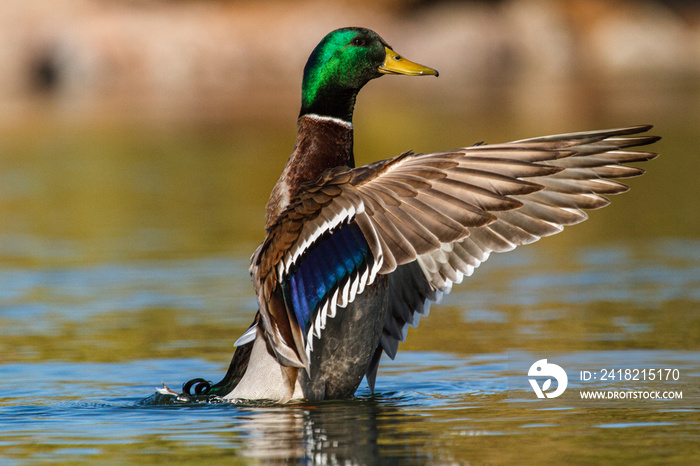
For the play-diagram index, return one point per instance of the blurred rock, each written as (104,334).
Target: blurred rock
(87,59)
(642,37)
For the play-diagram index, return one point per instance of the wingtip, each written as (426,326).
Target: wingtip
(291,359)
(636,129)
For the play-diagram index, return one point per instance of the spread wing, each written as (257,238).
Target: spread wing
(441,214)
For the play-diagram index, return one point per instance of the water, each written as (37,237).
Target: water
(123,264)
(91,350)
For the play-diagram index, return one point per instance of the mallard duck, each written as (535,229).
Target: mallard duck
(353,256)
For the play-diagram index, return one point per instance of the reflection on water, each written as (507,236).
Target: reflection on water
(81,366)
(430,407)
(123,264)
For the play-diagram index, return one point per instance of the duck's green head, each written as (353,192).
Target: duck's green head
(344,61)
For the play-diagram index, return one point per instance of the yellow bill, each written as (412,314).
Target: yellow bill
(396,64)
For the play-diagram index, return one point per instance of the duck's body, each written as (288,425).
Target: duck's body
(338,362)
(322,143)
(353,256)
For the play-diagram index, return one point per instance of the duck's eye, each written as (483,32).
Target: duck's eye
(358,42)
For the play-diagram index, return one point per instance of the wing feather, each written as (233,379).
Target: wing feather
(579,180)
(429,220)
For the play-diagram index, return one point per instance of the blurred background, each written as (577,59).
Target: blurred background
(122,123)
(151,60)
(213,61)
(139,142)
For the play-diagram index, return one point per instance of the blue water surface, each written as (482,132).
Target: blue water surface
(444,399)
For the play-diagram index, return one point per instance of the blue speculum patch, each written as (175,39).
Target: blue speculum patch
(334,257)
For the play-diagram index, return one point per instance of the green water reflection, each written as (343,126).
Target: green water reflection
(114,192)
(120,244)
